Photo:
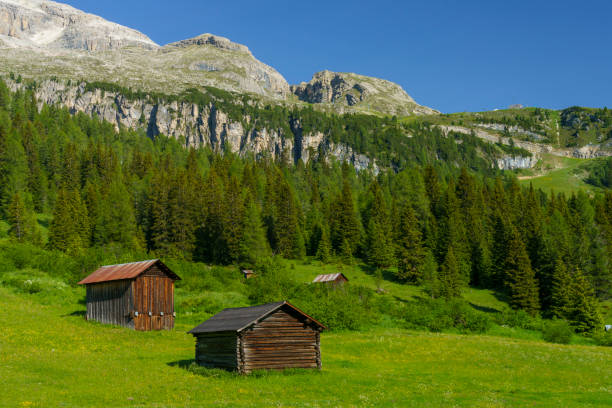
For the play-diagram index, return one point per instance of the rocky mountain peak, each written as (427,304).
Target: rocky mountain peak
(51,25)
(213,40)
(348,91)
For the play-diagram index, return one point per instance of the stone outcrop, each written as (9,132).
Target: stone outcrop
(48,24)
(197,125)
(353,93)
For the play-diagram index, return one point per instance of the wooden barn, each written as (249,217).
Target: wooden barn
(272,336)
(138,295)
(332,278)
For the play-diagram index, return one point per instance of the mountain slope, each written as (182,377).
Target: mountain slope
(44,39)
(352,92)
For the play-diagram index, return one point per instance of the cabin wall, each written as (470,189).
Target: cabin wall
(110,302)
(279,341)
(217,350)
(154,292)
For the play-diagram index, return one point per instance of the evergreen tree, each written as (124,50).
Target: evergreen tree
(324,247)
(22,222)
(69,230)
(450,276)
(344,224)
(410,252)
(379,246)
(253,245)
(521,284)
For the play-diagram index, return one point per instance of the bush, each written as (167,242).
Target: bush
(558,331)
(519,319)
(437,315)
(603,338)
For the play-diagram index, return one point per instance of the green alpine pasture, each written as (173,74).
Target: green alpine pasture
(52,356)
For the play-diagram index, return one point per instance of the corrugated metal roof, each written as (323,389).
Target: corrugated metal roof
(239,318)
(124,271)
(328,278)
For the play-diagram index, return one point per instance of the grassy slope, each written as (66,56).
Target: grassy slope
(561,174)
(51,356)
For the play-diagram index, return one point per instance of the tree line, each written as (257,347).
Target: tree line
(434,224)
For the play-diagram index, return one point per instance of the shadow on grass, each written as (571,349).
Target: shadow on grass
(485,309)
(191,366)
(80,313)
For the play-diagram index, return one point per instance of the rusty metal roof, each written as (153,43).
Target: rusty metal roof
(329,278)
(125,271)
(239,318)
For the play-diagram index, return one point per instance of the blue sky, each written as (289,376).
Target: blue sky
(454,56)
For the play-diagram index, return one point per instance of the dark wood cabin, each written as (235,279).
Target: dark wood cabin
(138,295)
(332,278)
(266,337)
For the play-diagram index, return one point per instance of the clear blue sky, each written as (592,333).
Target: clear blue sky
(454,56)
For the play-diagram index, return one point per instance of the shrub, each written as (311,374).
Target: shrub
(603,338)
(557,331)
(518,318)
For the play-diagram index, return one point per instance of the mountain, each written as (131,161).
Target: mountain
(365,94)
(44,39)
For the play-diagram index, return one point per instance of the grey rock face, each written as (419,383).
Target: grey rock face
(345,90)
(48,24)
(516,162)
(196,125)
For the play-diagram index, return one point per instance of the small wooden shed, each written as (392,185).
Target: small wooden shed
(248,273)
(271,336)
(332,278)
(138,295)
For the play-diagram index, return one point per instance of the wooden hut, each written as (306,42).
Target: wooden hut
(138,295)
(271,336)
(248,273)
(332,278)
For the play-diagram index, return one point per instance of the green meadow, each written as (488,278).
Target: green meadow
(51,356)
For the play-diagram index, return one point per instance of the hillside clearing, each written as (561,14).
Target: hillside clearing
(51,357)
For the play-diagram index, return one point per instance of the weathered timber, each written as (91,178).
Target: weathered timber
(138,295)
(267,337)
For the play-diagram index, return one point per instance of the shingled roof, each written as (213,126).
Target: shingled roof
(329,277)
(125,271)
(239,318)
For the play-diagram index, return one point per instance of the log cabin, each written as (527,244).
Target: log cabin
(273,336)
(332,278)
(138,295)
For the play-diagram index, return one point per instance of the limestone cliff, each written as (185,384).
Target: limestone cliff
(198,125)
(353,93)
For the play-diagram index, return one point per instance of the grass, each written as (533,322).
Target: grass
(561,174)
(52,357)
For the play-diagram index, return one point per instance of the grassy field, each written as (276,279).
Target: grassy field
(52,357)
(561,174)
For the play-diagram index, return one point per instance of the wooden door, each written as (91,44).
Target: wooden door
(154,299)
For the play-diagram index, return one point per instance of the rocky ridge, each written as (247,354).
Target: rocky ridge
(199,125)
(44,39)
(349,92)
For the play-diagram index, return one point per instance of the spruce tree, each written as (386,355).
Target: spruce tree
(253,244)
(324,247)
(520,282)
(69,230)
(22,222)
(450,276)
(410,253)
(379,233)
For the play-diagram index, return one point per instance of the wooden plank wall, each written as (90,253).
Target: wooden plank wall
(154,292)
(110,303)
(217,350)
(279,341)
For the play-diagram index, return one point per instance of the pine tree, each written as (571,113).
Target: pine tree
(450,276)
(253,245)
(430,279)
(69,230)
(324,247)
(344,224)
(114,221)
(379,233)
(520,282)
(574,299)
(410,252)
(22,222)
